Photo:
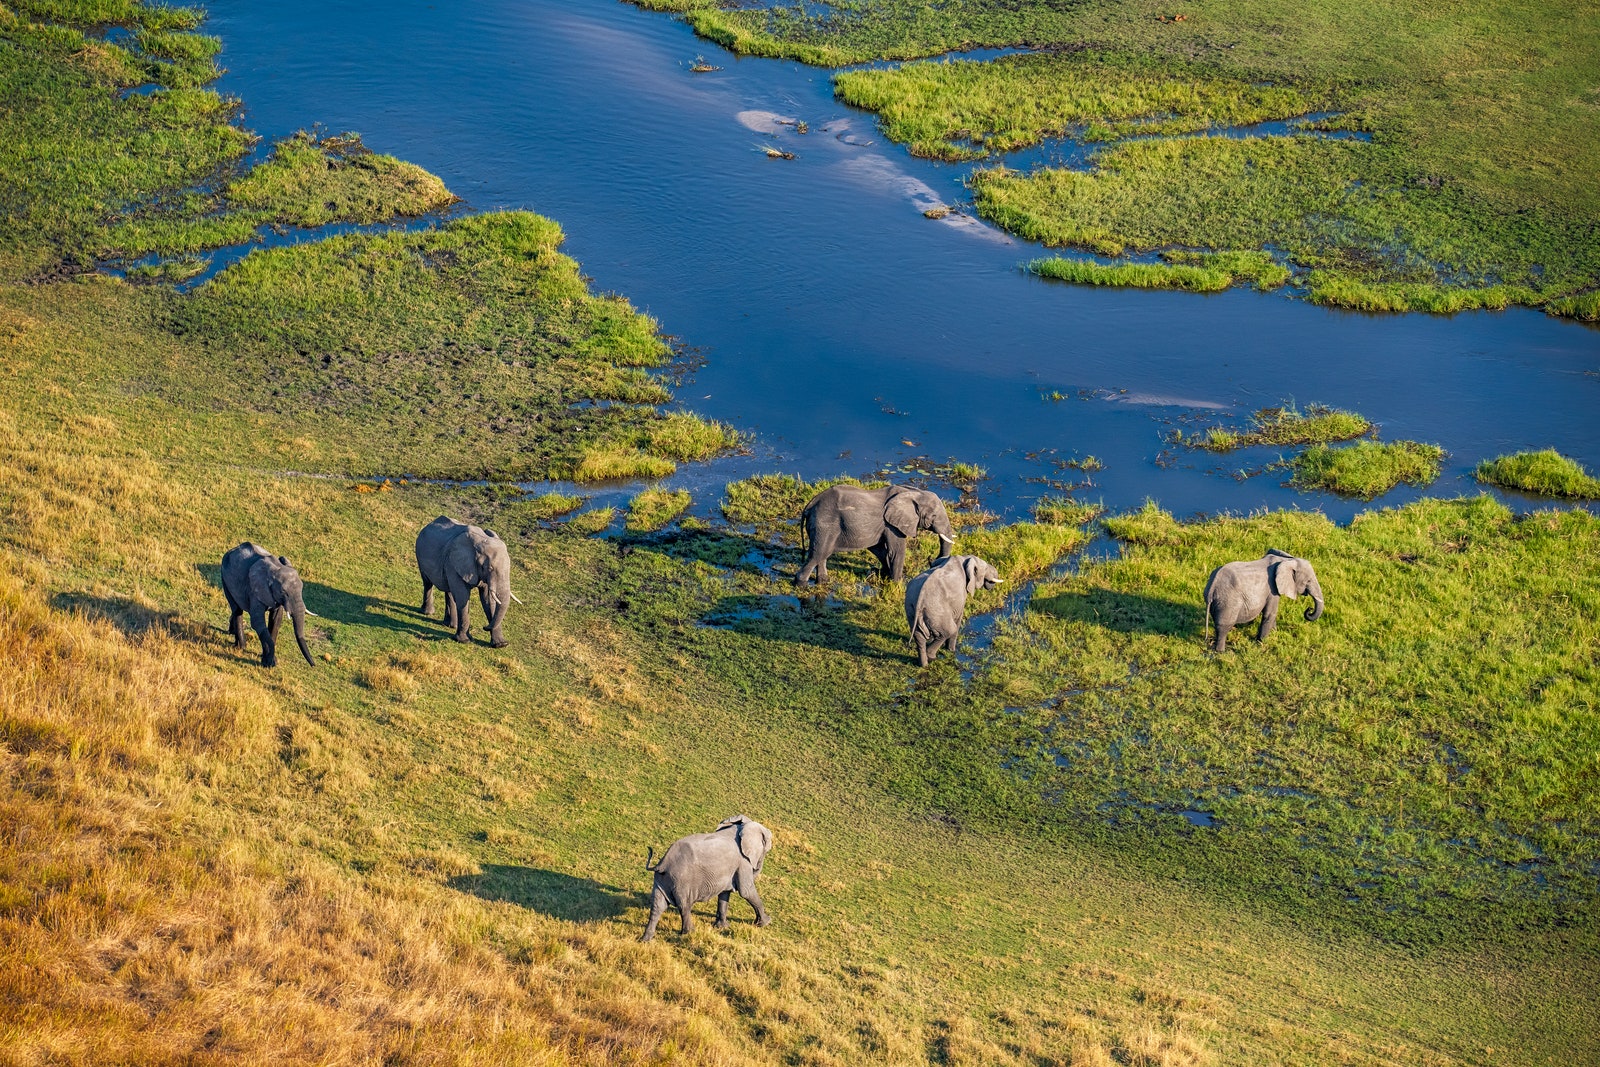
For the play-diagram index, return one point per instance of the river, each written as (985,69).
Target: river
(839,327)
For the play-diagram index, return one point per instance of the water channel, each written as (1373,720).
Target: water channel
(841,328)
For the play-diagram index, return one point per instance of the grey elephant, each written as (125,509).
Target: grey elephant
(266,586)
(1238,592)
(844,518)
(702,866)
(936,601)
(458,558)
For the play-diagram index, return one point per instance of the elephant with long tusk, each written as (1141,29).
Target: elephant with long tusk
(458,558)
(1238,592)
(256,581)
(844,518)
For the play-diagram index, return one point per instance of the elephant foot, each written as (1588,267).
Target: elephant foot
(498,642)
(464,638)
(649,935)
(269,661)
(721,925)
(764,920)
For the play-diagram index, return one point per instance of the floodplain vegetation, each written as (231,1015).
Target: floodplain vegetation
(1543,473)
(1433,159)
(419,852)
(1284,425)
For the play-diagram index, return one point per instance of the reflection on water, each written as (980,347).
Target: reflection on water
(838,321)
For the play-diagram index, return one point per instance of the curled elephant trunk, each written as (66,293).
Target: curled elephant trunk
(297,615)
(1314,612)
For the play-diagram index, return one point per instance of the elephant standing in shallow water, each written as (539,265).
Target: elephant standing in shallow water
(844,518)
(1238,592)
(702,866)
(936,601)
(266,586)
(458,558)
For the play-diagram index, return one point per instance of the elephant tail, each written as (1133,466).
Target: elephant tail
(1206,623)
(649,858)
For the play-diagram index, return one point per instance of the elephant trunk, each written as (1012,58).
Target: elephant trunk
(297,615)
(499,598)
(941,526)
(1314,612)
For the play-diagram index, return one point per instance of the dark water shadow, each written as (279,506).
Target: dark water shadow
(816,619)
(560,896)
(723,548)
(1125,612)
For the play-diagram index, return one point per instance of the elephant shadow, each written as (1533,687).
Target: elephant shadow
(808,620)
(1129,613)
(129,616)
(560,896)
(346,608)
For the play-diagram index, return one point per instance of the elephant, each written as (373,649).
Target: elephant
(702,866)
(844,518)
(936,601)
(265,585)
(458,557)
(1238,592)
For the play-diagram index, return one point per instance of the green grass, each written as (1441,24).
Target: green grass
(1480,176)
(963,109)
(1284,426)
(1197,272)
(768,499)
(652,509)
(1544,473)
(1366,469)
(1411,758)
(1584,307)
(1064,511)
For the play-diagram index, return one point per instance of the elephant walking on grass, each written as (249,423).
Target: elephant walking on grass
(458,558)
(266,586)
(936,601)
(702,866)
(1238,592)
(844,518)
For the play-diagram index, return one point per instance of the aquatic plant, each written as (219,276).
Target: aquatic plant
(651,509)
(1544,473)
(1366,469)
(1284,425)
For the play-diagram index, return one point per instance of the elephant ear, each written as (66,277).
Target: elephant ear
(900,514)
(972,567)
(1282,576)
(738,822)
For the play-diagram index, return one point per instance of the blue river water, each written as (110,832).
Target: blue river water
(839,327)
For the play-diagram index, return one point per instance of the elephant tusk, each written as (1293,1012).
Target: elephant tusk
(313,614)
(947,540)
(515,597)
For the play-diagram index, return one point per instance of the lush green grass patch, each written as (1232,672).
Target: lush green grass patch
(651,509)
(768,499)
(963,109)
(1544,473)
(1064,511)
(1132,275)
(1585,307)
(1366,469)
(1339,290)
(1284,426)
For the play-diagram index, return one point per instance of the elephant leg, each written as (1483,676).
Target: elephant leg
(881,554)
(258,623)
(685,909)
(460,598)
(1269,620)
(427,596)
(894,560)
(235,620)
(658,908)
(722,909)
(747,889)
(922,651)
(950,642)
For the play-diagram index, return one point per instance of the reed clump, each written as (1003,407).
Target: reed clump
(1367,469)
(1543,473)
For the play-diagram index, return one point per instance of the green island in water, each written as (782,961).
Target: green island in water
(1370,839)
(1427,157)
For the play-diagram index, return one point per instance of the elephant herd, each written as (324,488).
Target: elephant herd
(459,558)
(454,556)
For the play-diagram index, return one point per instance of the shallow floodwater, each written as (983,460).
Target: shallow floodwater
(841,328)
